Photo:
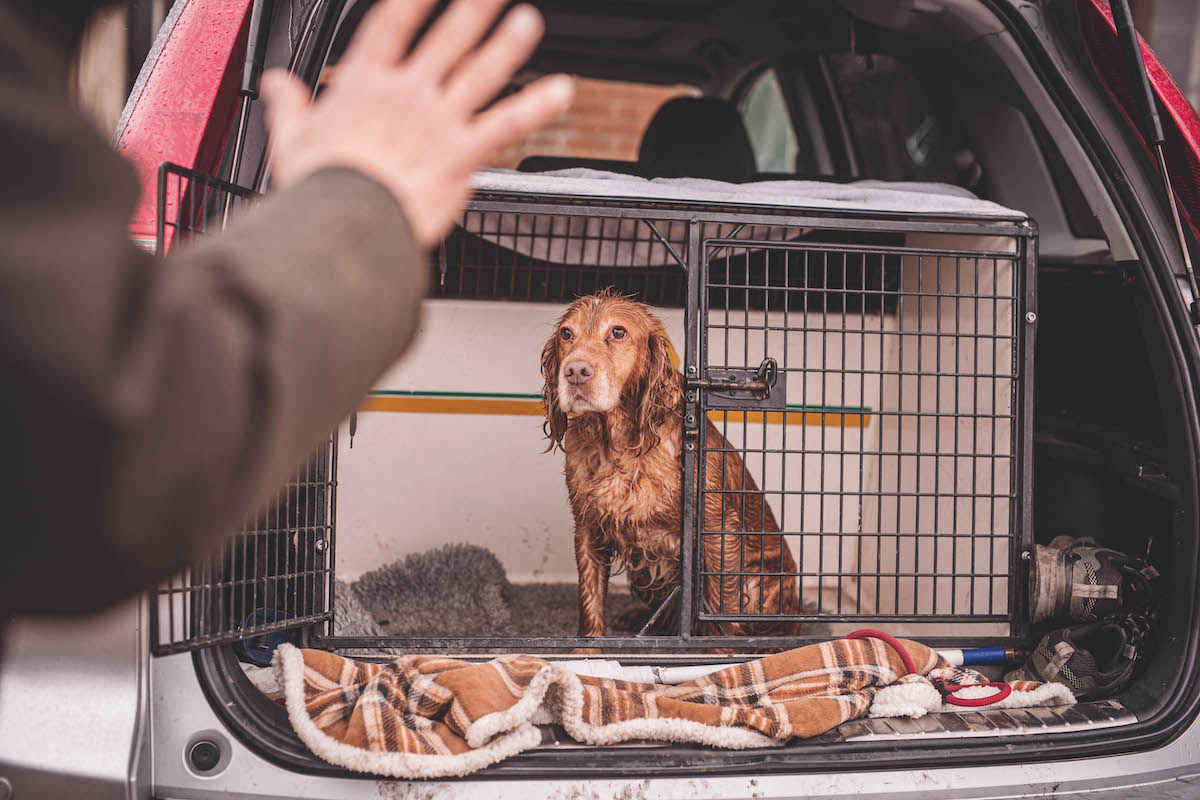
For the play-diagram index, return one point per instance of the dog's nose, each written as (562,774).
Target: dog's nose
(578,372)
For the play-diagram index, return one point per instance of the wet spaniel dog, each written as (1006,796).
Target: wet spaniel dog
(614,405)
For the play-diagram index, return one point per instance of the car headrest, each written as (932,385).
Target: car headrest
(698,137)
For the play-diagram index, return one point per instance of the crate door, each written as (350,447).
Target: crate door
(887,452)
(276,573)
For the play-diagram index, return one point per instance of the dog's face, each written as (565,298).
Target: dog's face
(599,345)
(607,353)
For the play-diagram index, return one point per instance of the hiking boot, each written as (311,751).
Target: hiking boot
(1077,580)
(1094,661)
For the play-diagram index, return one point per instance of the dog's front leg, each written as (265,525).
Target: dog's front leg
(594,560)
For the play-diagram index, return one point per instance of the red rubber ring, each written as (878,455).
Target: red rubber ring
(871,633)
(1003,691)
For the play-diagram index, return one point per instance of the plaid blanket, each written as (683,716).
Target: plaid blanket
(427,716)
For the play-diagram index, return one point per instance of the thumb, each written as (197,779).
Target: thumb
(286,97)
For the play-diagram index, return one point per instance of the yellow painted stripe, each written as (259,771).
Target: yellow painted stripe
(533,408)
(828,419)
(455,405)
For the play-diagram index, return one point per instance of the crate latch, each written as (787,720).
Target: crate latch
(744,388)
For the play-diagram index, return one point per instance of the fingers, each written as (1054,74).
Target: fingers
(386,32)
(286,96)
(488,70)
(453,35)
(516,116)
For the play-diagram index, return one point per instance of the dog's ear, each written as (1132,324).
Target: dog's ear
(555,426)
(661,391)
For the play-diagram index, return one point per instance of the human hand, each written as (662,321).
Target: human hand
(413,121)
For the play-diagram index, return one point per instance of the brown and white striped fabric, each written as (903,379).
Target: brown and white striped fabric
(427,716)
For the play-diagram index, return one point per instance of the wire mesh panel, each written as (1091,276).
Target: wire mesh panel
(276,573)
(857,386)
(191,203)
(558,257)
(516,251)
(890,447)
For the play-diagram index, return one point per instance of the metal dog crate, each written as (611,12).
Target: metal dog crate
(873,371)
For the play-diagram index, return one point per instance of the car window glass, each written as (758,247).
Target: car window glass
(606,121)
(765,114)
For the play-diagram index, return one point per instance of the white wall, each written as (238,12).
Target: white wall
(414,482)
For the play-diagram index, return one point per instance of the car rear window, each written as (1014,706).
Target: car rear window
(606,121)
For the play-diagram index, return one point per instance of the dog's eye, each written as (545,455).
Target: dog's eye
(566,334)
(618,333)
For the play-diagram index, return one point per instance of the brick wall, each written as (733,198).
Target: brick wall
(605,121)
